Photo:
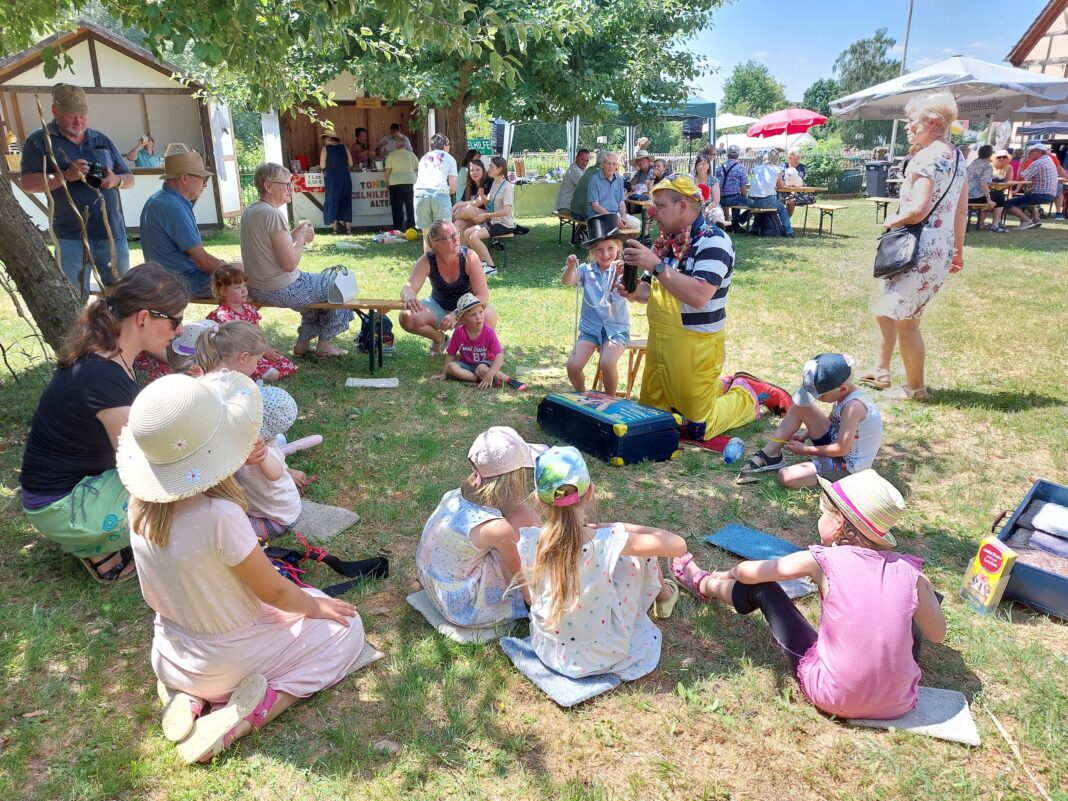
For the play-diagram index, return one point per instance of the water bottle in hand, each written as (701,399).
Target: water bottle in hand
(734,451)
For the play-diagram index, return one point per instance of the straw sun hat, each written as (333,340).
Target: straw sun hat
(869,502)
(185,435)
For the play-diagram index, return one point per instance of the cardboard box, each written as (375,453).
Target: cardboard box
(987,575)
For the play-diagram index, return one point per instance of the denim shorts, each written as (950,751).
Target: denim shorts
(431,206)
(831,468)
(434,306)
(601,339)
(471,368)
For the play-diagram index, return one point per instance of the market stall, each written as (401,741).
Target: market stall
(292,139)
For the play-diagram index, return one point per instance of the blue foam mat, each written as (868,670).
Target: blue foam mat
(749,543)
(564,690)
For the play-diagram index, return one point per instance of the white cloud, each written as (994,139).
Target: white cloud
(760,55)
(924,62)
(896,51)
(979,45)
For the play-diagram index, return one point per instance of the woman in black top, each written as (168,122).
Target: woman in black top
(71,492)
(453,271)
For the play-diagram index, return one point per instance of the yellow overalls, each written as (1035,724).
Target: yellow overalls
(682,370)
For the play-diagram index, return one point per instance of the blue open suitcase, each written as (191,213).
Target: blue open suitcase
(1030,585)
(614,429)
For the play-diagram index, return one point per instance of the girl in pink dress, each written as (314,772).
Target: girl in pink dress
(229,286)
(864,661)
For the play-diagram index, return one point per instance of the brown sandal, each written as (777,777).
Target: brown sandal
(876,378)
(114,574)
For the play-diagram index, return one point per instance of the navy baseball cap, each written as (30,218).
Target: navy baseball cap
(822,374)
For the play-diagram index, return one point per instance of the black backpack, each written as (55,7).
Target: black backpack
(363,341)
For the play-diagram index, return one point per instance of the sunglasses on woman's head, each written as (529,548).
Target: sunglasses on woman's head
(175,321)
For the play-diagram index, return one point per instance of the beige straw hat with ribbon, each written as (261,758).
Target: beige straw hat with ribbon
(869,502)
(185,435)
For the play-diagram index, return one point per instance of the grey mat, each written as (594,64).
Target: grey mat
(564,690)
(943,714)
(368,655)
(465,635)
(322,523)
(749,543)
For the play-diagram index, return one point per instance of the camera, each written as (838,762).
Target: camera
(96,174)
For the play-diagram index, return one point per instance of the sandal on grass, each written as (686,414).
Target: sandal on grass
(760,462)
(692,584)
(301,348)
(876,377)
(118,561)
(251,701)
(180,711)
(662,609)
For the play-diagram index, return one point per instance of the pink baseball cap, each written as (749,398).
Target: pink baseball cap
(499,450)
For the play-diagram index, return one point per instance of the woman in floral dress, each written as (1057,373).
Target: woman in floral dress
(936,169)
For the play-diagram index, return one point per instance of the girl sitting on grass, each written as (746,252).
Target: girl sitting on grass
(474,353)
(591,584)
(229,630)
(467,555)
(230,288)
(863,662)
(605,320)
(239,346)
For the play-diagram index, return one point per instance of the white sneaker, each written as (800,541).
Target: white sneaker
(488,269)
(1026,226)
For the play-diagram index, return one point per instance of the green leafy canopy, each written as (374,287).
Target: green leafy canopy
(548,58)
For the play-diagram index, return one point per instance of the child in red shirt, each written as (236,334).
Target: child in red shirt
(474,352)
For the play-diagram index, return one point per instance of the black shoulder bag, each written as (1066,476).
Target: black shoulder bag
(898,248)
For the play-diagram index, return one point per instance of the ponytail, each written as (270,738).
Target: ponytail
(227,341)
(557,559)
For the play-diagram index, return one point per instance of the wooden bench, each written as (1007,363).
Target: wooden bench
(497,243)
(635,354)
(566,218)
(827,210)
(882,204)
(975,208)
(755,213)
(373,307)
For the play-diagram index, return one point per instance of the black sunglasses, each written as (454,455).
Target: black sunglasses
(175,321)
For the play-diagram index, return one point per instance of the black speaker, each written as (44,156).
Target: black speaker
(693,128)
(497,134)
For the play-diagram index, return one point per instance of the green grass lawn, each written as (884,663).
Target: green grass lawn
(719,718)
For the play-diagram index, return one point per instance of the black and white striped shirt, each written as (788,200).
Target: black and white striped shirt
(710,259)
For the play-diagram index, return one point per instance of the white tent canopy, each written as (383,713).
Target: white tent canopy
(982,90)
(729,120)
(757,143)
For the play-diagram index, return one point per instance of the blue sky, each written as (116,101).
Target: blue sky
(799,40)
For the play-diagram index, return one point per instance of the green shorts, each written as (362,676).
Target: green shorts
(91,520)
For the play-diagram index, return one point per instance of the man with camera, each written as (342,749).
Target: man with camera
(687,276)
(169,232)
(93,169)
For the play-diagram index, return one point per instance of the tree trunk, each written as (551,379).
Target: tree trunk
(452,121)
(49,296)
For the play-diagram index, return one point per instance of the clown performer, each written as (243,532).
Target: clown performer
(687,277)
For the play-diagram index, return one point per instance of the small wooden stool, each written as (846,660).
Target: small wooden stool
(635,354)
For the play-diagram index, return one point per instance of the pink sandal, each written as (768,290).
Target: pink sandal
(692,585)
(212,734)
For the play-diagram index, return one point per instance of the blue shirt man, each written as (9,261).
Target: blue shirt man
(169,232)
(733,183)
(77,147)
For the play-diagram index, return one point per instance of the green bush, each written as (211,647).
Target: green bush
(823,162)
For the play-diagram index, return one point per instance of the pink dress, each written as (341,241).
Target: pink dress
(211,631)
(248,313)
(861,664)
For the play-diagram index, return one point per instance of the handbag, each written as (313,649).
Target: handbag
(344,287)
(899,248)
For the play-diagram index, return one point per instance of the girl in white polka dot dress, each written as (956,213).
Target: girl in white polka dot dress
(591,585)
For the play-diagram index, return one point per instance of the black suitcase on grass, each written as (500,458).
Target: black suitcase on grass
(614,429)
